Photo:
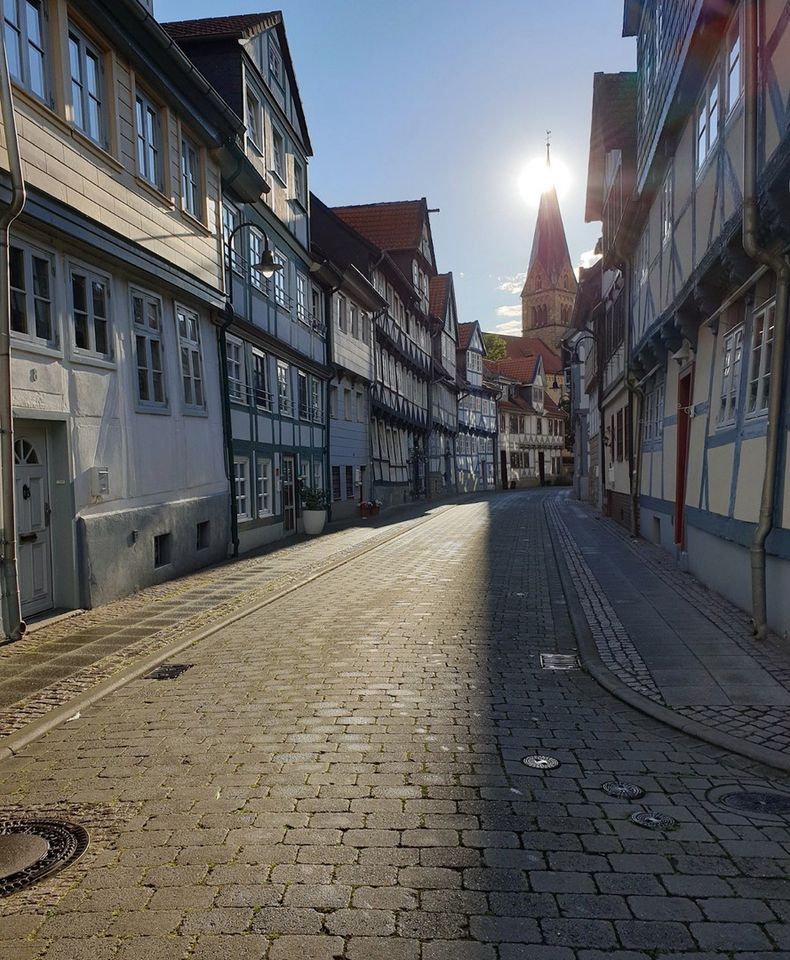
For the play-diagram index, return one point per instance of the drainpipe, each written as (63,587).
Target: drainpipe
(13,623)
(777,262)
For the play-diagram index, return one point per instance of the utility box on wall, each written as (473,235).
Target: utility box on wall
(100,483)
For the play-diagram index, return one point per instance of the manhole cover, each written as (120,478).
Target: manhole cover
(653,820)
(559,661)
(33,849)
(626,791)
(748,801)
(541,763)
(168,671)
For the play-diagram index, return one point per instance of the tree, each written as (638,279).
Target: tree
(496,348)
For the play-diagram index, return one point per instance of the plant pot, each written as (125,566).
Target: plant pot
(374,511)
(313,521)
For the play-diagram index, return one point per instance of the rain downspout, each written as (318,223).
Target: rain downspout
(777,262)
(13,623)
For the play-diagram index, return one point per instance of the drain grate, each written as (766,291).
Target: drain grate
(168,671)
(625,791)
(749,801)
(539,762)
(559,661)
(31,850)
(653,820)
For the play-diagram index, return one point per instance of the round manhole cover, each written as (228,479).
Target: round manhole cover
(626,791)
(33,849)
(653,820)
(539,762)
(753,801)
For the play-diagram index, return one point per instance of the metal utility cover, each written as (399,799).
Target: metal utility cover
(625,791)
(559,661)
(539,762)
(753,801)
(168,671)
(653,821)
(31,850)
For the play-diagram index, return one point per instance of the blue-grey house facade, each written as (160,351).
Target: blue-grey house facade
(273,337)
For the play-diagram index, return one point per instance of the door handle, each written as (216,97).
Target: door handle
(28,538)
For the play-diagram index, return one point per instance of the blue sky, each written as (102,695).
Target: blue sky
(449,99)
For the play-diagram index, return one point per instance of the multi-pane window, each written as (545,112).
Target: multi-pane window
(281,281)
(733,65)
(190,177)
(653,413)
(191,362)
(337,493)
(666,207)
(31,294)
(316,406)
(278,153)
(149,350)
(364,321)
(643,257)
(149,141)
(256,253)
(360,405)
(260,373)
(318,475)
(254,122)
(300,183)
(341,306)
(708,120)
(301,298)
(348,405)
(263,487)
(315,306)
(730,376)
(275,63)
(234,352)
(762,355)
(284,388)
(24,44)
(230,220)
(241,479)
(304,395)
(90,304)
(349,483)
(354,321)
(86,85)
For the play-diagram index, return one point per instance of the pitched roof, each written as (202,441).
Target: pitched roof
(440,286)
(465,334)
(237,27)
(522,369)
(390,226)
(549,245)
(531,347)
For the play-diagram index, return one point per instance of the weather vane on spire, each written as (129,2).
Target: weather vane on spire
(548,148)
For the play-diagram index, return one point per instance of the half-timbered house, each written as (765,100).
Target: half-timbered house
(476,444)
(442,478)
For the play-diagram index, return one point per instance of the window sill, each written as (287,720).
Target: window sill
(195,222)
(154,192)
(158,411)
(199,412)
(281,180)
(96,149)
(91,360)
(36,348)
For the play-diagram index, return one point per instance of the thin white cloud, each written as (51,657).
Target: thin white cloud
(510,311)
(512,284)
(512,327)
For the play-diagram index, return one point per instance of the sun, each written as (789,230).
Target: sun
(537,177)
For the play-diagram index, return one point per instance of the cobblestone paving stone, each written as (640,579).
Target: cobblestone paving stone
(73,653)
(339,776)
(765,726)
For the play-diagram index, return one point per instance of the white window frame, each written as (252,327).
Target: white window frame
(281,281)
(80,85)
(236,365)
(318,474)
(284,400)
(149,140)
(256,245)
(90,277)
(254,121)
(707,119)
(303,395)
(31,298)
(190,355)
(25,44)
(316,398)
(262,395)
(151,338)
(191,178)
(302,311)
(761,358)
(300,183)
(279,167)
(263,486)
(730,389)
(733,64)
(666,210)
(241,481)
(230,220)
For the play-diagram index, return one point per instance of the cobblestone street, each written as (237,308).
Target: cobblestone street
(340,775)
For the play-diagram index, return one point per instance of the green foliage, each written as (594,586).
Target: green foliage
(496,348)
(313,499)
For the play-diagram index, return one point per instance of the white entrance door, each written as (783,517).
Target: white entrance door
(34,548)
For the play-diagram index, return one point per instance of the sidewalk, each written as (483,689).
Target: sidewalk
(63,659)
(661,640)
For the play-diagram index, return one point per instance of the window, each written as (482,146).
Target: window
(360,405)
(354,321)
(349,483)
(190,177)
(762,354)
(31,296)
(643,257)
(230,220)
(86,85)
(149,139)
(191,361)
(316,405)
(666,207)
(281,281)
(263,487)
(241,479)
(275,63)
(733,65)
(300,183)
(315,307)
(278,153)
(730,377)
(284,388)
(707,120)
(162,549)
(237,381)
(301,298)
(304,396)
(254,123)
(318,475)
(256,253)
(203,535)
(540,425)
(147,314)
(24,43)
(260,374)
(90,304)
(348,412)
(337,493)
(333,403)
(340,312)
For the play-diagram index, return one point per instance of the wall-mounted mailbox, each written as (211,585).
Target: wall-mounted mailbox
(100,482)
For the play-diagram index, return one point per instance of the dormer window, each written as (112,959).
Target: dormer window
(254,123)
(275,63)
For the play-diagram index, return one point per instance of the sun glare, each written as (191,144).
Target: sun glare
(537,177)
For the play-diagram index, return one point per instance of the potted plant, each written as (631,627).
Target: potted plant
(369,508)
(313,510)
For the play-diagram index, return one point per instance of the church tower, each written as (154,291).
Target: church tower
(550,288)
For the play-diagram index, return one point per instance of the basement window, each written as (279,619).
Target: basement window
(162,550)
(203,535)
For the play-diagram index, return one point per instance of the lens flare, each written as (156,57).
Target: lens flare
(537,176)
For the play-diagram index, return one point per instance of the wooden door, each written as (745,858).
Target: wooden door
(289,495)
(34,545)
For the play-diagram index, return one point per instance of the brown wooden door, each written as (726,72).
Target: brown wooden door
(289,495)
